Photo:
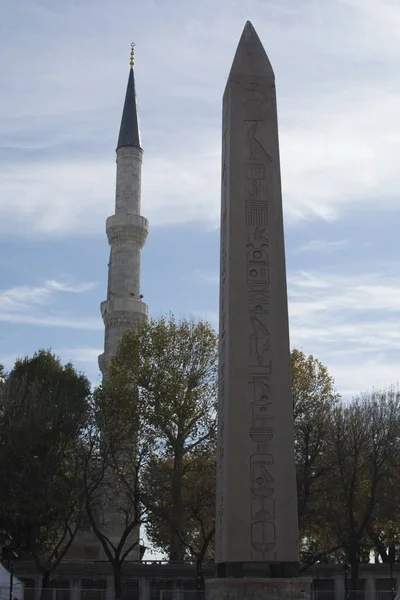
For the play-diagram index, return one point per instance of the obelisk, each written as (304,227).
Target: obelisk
(256,527)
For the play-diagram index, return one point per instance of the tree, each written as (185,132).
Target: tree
(173,366)
(44,407)
(363,443)
(198,506)
(314,398)
(116,453)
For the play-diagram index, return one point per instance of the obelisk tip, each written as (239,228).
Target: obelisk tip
(250,55)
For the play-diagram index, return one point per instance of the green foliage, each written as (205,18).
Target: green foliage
(357,503)
(197,503)
(314,398)
(354,507)
(117,451)
(44,409)
(172,366)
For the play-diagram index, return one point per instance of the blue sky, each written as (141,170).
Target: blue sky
(64,72)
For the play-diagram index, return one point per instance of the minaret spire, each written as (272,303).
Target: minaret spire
(129,133)
(126,232)
(132,55)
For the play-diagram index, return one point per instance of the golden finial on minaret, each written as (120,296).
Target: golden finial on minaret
(132,58)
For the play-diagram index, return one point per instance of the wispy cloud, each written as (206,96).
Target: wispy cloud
(45,320)
(318,292)
(24,304)
(338,107)
(207,277)
(55,196)
(23,297)
(80,355)
(350,322)
(326,246)
(58,286)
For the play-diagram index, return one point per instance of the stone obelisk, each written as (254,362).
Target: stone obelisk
(256,528)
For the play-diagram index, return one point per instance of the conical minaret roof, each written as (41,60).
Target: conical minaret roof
(129,133)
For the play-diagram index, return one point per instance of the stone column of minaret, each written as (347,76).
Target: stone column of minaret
(257,548)
(126,232)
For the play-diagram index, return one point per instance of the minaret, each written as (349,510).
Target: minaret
(126,231)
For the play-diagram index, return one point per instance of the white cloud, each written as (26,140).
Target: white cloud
(56,196)
(82,355)
(326,246)
(338,93)
(24,296)
(24,304)
(378,372)
(207,277)
(359,293)
(350,322)
(75,197)
(340,151)
(19,298)
(46,320)
(74,289)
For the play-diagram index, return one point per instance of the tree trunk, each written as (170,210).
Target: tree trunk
(176,548)
(45,584)
(381,550)
(117,581)
(354,566)
(199,573)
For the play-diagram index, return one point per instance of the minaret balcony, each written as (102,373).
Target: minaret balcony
(125,305)
(122,229)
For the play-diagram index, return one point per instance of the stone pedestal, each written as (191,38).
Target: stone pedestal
(258,589)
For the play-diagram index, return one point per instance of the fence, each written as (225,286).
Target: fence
(53,593)
(155,592)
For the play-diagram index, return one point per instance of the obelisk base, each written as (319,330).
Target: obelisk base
(258,589)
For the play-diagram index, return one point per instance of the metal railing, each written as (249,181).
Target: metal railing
(72,593)
(28,593)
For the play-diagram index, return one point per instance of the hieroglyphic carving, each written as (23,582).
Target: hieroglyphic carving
(259,103)
(257,150)
(258,295)
(256,198)
(261,405)
(259,341)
